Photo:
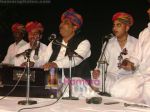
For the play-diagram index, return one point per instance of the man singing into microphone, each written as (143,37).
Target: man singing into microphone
(34,47)
(118,48)
(57,55)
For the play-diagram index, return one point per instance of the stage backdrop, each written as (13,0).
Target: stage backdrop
(97,16)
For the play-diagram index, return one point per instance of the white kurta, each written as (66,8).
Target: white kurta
(138,86)
(141,54)
(19,60)
(62,61)
(112,52)
(12,51)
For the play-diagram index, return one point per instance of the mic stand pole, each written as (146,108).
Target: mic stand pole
(104,71)
(27,101)
(70,55)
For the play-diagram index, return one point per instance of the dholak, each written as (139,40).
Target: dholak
(53,82)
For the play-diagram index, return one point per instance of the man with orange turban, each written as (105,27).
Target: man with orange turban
(124,18)
(119,47)
(34,30)
(136,88)
(18,31)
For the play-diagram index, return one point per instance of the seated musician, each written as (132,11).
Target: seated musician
(118,47)
(57,56)
(18,31)
(34,48)
(136,88)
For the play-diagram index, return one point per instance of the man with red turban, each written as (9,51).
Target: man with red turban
(119,47)
(18,31)
(34,30)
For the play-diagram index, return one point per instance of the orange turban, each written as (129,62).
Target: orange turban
(34,25)
(73,17)
(17,27)
(124,18)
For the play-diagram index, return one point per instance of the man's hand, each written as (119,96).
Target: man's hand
(127,65)
(96,74)
(49,65)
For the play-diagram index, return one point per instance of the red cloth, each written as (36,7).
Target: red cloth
(73,17)
(123,17)
(17,27)
(34,25)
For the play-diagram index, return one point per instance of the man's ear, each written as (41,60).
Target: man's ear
(75,28)
(40,35)
(127,28)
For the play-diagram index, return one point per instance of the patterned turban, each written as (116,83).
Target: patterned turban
(17,27)
(124,18)
(73,17)
(34,25)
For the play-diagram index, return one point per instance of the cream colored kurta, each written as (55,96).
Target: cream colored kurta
(21,59)
(111,54)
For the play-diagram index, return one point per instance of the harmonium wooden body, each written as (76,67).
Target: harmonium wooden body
(13,77)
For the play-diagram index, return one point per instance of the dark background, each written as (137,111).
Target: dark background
(97,16)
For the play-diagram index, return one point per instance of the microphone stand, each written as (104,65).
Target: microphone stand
(70,55)
(104,70)
(27,101)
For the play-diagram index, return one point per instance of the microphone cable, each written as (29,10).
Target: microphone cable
(36,107)
(14,86)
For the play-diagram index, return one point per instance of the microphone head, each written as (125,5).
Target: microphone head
(109,36)
(28,51)
(52,37)
(35,57)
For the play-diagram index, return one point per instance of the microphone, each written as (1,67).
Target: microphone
(28,51)
(52,37)
(109,36)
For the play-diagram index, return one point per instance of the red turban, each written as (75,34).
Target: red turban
(123,17)
(148,11)
(17,27)
(34,25)
(73,17)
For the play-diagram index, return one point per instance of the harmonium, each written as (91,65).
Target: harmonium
(14,79)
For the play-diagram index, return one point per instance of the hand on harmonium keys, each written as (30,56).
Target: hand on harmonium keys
(49,65)
(127,65)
